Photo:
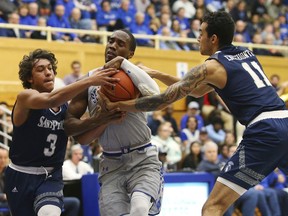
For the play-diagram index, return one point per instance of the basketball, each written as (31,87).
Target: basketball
(124,89)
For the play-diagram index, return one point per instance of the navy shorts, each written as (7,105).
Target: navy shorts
(263,148)
(27,193)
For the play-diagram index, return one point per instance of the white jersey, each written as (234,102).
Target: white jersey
(131,132)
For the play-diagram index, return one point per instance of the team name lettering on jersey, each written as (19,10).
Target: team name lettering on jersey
(52,124)
(240,56)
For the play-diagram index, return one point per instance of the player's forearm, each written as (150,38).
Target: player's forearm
(89,136)
(61,95)
(76,127)
(167,79)
(144,104)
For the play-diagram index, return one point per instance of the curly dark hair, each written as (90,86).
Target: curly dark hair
(221,24)
(28,62)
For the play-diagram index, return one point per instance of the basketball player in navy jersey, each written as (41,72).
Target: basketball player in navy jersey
(237,76)
(34,176)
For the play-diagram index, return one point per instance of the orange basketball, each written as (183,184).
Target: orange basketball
(124,89)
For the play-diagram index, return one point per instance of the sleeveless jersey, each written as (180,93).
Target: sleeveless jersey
(131,132)
(248,92)
(41,140)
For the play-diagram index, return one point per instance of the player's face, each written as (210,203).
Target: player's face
(205,43)
(42,76)
(118,45)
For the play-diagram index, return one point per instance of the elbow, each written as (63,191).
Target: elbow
(82,140)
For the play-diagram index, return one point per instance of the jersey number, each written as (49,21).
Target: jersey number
(258,82)
(52,138)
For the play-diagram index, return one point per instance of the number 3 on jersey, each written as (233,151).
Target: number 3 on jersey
(258,82)
(52,138)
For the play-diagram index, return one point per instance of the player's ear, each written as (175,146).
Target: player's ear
(131,54)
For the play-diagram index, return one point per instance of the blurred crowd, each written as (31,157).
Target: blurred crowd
(257,21)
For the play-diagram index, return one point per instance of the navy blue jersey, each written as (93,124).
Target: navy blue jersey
(41,140)
(248,92)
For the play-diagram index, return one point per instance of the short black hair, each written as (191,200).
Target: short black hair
(221,24)
(132,39)
(27,63)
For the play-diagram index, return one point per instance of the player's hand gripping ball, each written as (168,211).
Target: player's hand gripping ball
(124,89)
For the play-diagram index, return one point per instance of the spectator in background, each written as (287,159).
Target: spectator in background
(189,134)
(125,13)
(7,7)
(154,25)
(58,19)
(175,28)
(254,26)
(45,8)
(165,143)
(168,44)
(192,160)
(75,74)
(275,8)
(194,33)
(23,14)
(183,21)
(107,18)
(181,44)
(210,162)
(215,130)
(269,39)
(260,9)
(141,5)
(13,18)
(192,110)
(77,23)
(240,12)
(139,27)
(168,116)
(277,180)
(41,35)
(150,14)
(97,151)
(68,5)
(87,8)
(203,136)
(74,168)
(189,11)
(165,20)
(214,5)
(257,39)
(4,160)
(230,139)
(223,155)
(154,120)
(33,9)
(240,28)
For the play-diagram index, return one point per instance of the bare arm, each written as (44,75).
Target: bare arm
(173,93)
(32,99)
(167,79)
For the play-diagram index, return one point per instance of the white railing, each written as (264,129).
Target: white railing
(5,126)
(104,35)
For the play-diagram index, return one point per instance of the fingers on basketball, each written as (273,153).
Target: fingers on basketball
(123,90)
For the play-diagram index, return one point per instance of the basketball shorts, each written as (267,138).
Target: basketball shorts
(27,193)
(120,176)
(263,148)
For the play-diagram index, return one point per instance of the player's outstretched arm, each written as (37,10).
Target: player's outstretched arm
(184,87)
(32,99)
(167,79)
